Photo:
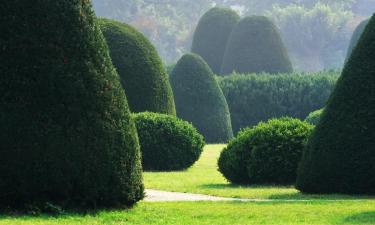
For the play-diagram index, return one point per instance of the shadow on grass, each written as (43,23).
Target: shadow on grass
(361,218)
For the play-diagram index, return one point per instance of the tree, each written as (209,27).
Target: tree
(355,37)
(211,35)
(141,71)
(200,100)
(67,137)
(255,46)
(340,154)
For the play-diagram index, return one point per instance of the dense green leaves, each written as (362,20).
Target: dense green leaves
(340,155)
(167,143)
(356,36)
(141,71)
(258,97)
(255,46)
(67,138)
(314,117)
(211,35)
(200,100)
(268,153)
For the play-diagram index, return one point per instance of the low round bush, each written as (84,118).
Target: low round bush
(167,143)
(314,117)
(268,153)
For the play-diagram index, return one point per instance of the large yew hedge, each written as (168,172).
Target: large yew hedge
(356,36)
(67,138)
(211,35)
(340,155)
(255,46)
(140,68)
(200,100)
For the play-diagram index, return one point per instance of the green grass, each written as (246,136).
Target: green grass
(204,178)
(281,213)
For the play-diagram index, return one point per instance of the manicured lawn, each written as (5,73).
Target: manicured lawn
(282,213)
(204,178)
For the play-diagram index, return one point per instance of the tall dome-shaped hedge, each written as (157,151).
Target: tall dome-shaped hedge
(355,37)
(67,137)
(255,46)
(211,35)
(340,155)
(200,100)
(140,68)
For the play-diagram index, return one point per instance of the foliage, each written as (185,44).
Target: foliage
(67,139)
(355,37)
(200,100)
(315,37)
(314,117)
(167,143)
(212,34)
(268,153)
(340,155)
(141,71)
(255,46)
(258,97)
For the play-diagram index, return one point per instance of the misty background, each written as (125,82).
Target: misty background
(316,32)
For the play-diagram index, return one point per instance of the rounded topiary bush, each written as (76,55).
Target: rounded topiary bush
(314,117)
(211,35)
(268,153)
(200,100)
(140,68)
(167,143)
(255,46)
(355,37)
(67,137)
(340,155)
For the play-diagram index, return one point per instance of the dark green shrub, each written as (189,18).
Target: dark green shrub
(340,155)
(255,46)
(167,143)
(141,71)
(314,117)
(268,153)
(212,34)
(355,37)
(67,138)
(200,100)
(259,97)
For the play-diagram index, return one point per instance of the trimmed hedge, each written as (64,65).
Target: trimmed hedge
(254,98)
(67,138)
(167,143)
(212,34)
(314,117)
(268,153)
(255,46)
(340,155)
(140,68)
(355,37)
(200,100)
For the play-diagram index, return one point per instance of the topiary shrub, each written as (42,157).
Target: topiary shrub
(67,138)
(167,143)
(253,98)
(314,117)
(141,71)
(340,156)
(255,46)
(355,37)
(211,35)
(200,100)
(268,153)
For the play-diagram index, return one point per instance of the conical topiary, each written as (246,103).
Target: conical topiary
(211,35)
(255,46)
(340,155)
(140,68)
(200,100)
(355,37)
(67,138)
